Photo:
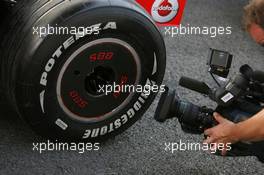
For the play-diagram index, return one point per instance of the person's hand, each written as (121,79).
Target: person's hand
(222,133)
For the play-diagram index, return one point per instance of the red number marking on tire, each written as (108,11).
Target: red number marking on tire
(101,56)
(77,99)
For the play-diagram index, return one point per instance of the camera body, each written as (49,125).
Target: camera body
(238,99)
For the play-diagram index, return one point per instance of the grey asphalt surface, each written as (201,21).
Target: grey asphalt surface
(140,150)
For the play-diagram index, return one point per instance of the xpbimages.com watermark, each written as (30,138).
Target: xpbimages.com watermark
(60,30)
(80,31)
(173,147)
(212,31)
(80,147)
(125,88)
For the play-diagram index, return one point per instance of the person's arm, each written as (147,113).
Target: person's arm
(251,129)
(228,132)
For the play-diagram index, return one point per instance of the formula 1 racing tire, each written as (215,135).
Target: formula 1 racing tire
(52,78)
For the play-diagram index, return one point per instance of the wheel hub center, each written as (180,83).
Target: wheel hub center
(98,79)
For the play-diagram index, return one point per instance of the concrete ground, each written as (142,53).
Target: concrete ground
(140,150)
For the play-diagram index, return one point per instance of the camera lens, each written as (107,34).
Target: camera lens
(171,106)
(193,118)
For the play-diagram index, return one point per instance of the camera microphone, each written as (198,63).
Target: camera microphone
(195,85)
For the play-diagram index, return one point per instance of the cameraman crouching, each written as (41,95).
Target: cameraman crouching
(253,128)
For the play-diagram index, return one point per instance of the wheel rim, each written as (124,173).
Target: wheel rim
(80,77)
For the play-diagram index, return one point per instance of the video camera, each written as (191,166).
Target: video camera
(238,99)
